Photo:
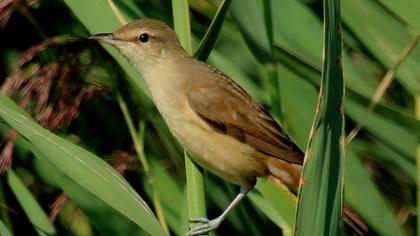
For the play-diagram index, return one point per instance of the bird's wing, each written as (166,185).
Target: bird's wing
(228,109)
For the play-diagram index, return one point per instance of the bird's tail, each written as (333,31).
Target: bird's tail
(354,221)
(286,176)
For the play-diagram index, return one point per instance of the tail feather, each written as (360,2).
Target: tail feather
(353,220)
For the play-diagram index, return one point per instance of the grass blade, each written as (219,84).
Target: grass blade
(3,230)
(319,209)
(382,153)
(281,201)
(171,196)
(305,44)
(385,37)
(256,26)
(4,212)
(138,143)
(182,28)
(395,135)
(409,11)
(383,86)
(85,168)
(363,196)
(99,214)
(207,43)
(30,206)
(270,212)
(250,20)
(417,110)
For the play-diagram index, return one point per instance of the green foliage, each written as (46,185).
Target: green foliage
(82,166)
(31,207)
(321,187)
(3,230)
(273,49)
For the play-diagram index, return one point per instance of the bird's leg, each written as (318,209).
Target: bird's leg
(213,224)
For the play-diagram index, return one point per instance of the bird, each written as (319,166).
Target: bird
(213,118)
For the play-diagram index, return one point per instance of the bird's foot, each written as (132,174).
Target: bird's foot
(208,226)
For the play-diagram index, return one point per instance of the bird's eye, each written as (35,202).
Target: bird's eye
(144,38)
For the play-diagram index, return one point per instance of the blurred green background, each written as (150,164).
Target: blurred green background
(80,91)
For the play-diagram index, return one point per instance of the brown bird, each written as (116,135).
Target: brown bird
(214,119)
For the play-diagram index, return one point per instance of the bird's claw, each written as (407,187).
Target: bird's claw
(203,229)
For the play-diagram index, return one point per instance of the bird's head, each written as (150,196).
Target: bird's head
(143,42)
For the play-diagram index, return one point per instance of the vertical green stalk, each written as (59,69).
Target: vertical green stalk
(195,180)
(30,206)
(256,25)
(138,141)
(151,181)
(133,133)
(195,190)
(270,67)
(180,13)
(206,45)
(268,18)
(4,212)
(417,110)
(4,231)
(271,71)
(319,209)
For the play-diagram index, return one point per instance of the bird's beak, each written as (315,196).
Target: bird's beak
(105,38)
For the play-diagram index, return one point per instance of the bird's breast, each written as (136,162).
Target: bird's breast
(219,153)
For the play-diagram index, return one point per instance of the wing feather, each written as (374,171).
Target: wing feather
(228,109)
